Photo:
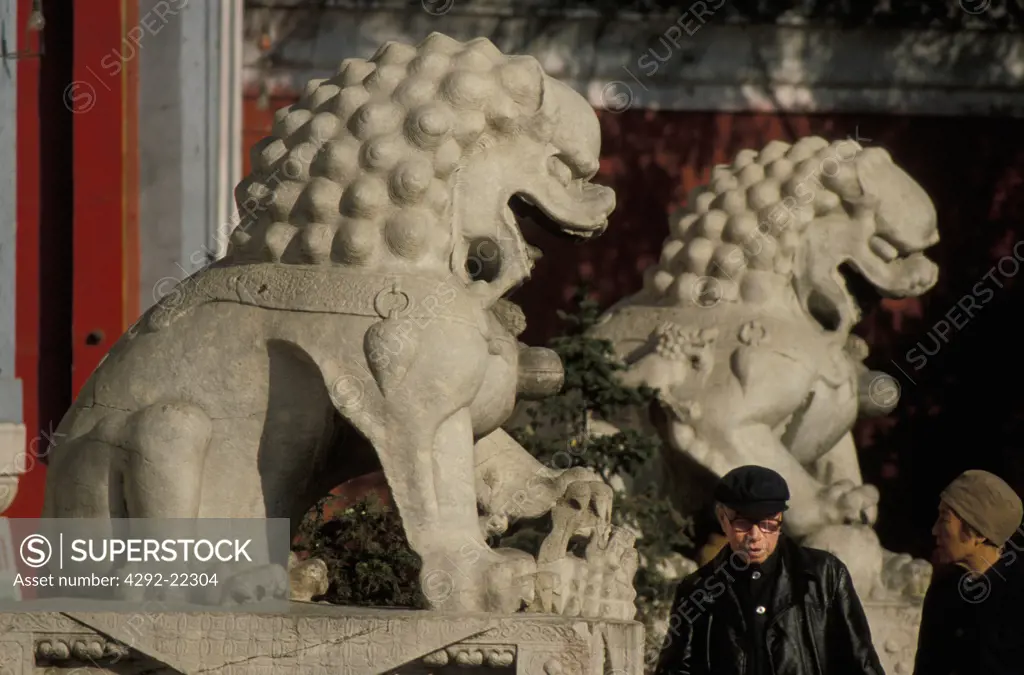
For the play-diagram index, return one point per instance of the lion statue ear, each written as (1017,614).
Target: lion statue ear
(851,181)
(525,81)
(529,104)
(872,168)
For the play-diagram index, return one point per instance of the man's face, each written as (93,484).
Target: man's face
(953,543)
(756,540)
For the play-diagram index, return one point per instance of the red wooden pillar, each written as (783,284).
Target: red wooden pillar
(106,196)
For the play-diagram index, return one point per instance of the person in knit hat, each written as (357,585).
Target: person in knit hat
(978,513)
(971,617)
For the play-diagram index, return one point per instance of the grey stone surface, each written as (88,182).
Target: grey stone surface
(315,639)
(13,461)
(894,629)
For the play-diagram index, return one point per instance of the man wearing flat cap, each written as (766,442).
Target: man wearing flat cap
(765,605)
(971,620)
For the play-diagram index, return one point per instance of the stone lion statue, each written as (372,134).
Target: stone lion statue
(744,326)
(357,323)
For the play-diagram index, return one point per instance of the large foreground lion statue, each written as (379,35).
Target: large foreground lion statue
(357,323)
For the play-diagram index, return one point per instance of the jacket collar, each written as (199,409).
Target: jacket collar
(798,559)
(794,570)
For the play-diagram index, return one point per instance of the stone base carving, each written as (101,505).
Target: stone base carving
(12,461)
(894,628)
(315,639)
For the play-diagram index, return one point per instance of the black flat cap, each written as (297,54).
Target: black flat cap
(753,491)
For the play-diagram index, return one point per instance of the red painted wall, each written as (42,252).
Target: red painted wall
(44,262)
(106,197)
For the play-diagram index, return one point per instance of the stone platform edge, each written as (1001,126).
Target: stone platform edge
(315,639)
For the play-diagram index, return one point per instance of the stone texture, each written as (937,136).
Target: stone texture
(315,639)
(13,461)
(744,327)
(894,628)
(309,578)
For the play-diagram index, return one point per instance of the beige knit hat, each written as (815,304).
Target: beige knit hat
(986,503)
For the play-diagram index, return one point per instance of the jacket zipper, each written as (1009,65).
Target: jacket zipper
(707,647)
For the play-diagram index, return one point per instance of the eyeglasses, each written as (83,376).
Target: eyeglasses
(745,525)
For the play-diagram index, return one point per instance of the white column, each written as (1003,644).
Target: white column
(229,123)
(190,129)
(12,430)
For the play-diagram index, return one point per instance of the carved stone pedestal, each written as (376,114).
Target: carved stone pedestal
(316,639)
(894,628)
(12,461)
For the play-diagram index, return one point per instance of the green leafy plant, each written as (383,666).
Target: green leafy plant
(560,428)
(369,561)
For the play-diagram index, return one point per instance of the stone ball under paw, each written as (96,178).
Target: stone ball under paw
(309,578)
(859,549)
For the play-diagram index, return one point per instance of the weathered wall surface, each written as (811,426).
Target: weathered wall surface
(693,61)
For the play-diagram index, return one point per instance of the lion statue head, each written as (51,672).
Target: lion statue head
(779,225)
(420,160)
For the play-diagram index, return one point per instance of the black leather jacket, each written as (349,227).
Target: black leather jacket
(818,626)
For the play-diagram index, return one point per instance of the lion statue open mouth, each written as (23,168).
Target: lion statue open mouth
(357,323)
